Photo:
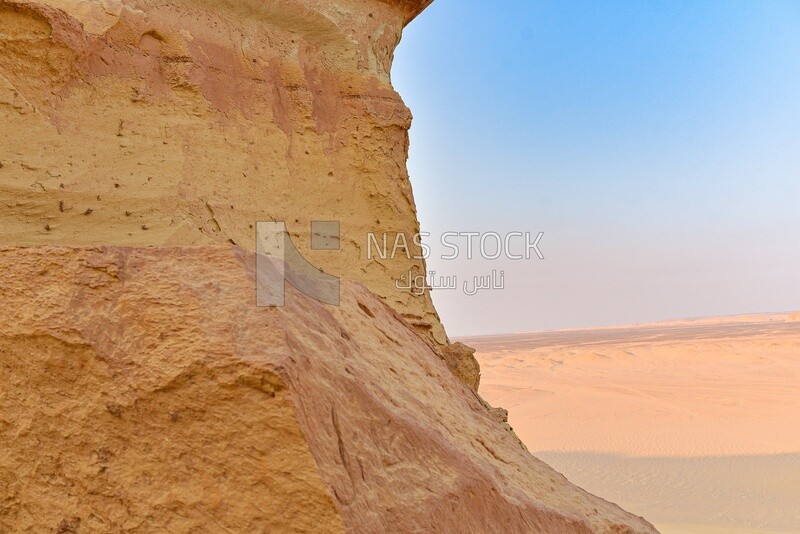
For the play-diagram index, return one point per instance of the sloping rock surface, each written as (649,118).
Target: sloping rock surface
(143,391)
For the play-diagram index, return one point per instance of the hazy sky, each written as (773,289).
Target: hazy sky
(657,145)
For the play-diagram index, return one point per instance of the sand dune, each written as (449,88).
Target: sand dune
(693,424)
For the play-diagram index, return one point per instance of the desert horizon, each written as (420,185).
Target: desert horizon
(690,423)
(240,243)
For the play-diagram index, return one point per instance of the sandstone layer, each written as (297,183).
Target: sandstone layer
(144,392)
(164,122)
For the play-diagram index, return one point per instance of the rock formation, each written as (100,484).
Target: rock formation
(143,391)
(157,122)
(460,359)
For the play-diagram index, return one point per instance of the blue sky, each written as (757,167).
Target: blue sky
(657,145)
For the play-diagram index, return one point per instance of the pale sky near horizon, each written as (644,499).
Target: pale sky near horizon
(656,144)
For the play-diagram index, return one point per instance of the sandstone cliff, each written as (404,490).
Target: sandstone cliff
(163,122)
(144,392)
(142,389)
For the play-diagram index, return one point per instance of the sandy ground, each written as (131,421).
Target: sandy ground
(693,424)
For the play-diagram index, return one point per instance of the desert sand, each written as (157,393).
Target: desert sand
(693,424)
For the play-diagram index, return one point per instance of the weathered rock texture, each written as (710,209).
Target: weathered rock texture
(142,391)
(460,359)
(183,122)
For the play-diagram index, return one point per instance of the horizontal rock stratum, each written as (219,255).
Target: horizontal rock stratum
(163,122)
(143,391)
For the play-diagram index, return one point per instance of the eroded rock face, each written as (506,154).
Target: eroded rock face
(460,359)
(163,122)
(143,391)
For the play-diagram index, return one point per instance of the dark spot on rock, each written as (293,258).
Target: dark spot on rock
(61,206)
(114,409)
(366,310)
(68,525)
(88,211)
(103,455)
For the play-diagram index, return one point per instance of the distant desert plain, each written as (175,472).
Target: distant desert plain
(694,424)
